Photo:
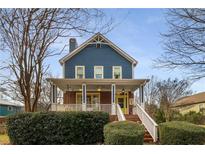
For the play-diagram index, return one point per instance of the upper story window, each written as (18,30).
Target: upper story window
(117,72)
(98,72)
(79,72)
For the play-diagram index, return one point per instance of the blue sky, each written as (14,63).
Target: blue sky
(137,33)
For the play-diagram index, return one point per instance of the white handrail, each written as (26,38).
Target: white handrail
(147,121)
(120,115)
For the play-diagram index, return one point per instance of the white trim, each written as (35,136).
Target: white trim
(107,41)
(84,97)
(76,71)
(102,67)
(113,67)
(113,92)
(63,69)
(133,73)
(84,94)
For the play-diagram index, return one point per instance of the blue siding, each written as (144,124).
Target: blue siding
(4,111)
(104,56)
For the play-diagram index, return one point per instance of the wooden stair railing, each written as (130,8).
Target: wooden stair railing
(150,125)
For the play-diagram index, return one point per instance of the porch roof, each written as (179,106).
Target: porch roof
(131,84)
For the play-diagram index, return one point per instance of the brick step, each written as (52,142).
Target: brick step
(147,135)
(148,140)
(113,118)
(131,116)
(135,118)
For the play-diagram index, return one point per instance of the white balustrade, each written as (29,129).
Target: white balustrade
(80,107)
(120,114)
(147,121)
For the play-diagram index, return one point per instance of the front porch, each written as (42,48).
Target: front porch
(114,96)
(96,94)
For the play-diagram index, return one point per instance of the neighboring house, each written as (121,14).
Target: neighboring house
(98,72)
(194,102)
(8,107)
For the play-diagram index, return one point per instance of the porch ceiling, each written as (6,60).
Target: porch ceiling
(130,84)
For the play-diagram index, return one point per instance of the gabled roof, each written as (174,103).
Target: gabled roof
(9,103)
(189,100)
(98,37)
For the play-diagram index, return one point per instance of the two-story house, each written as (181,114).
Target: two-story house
(97,74)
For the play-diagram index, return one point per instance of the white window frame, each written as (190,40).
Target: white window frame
(113,68)
(10,108)
(95,72)
(76,67)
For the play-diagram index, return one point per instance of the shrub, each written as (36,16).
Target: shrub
(159,116)
(124,132)
(175,116)
(180,132)
(194,117)
(57,127)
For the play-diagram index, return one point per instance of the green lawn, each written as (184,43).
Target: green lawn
(4,139)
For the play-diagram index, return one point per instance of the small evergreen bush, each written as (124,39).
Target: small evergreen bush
(124,133)
(180,132)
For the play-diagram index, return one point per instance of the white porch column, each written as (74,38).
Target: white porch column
(141,95)
(113,91)
(53,97)
(84,97)
(53,93)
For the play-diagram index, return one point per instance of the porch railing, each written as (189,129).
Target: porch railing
(80,107)
(147,121)
(120,115)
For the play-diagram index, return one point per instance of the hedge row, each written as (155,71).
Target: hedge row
(57,128)
(123,133)
(179,132)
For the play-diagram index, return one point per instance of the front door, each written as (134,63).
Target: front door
(122,101)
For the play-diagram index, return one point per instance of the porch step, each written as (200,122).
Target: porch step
(134,118)
(147,137)
(113,118)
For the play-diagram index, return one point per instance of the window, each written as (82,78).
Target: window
(117,72)
(80,72)
(10,108)
(98,72)
(92,98)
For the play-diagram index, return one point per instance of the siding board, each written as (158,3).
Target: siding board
(92,56)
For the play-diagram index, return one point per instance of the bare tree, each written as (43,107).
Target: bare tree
(163,93)
(185,42)
(150,91)
(29,35)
